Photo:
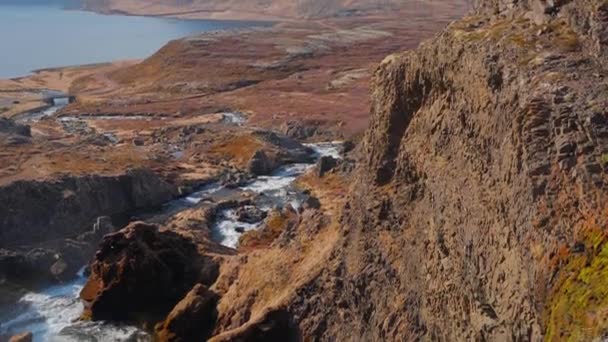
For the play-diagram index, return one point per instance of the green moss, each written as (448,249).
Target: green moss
(579,310)
(604,158)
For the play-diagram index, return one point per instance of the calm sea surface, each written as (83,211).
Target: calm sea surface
(36,37)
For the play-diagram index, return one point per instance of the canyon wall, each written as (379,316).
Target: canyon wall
(478,210)
(38,211)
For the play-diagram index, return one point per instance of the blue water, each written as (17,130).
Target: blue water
(43,36)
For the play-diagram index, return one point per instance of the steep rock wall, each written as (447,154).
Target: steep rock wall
(478,210)
(481,193)
(32,211)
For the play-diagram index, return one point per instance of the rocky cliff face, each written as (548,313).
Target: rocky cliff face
(479,208)
(32,212)
(483,212)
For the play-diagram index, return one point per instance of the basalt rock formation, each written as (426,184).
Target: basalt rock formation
(38,211)
(478,210)
(140,273)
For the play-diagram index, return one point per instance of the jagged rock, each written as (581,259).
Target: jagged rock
(40,260)
(260,164)
(325,164)
(36,211)
(290,150)
(250,214)
(348,146)
(193,318)
(23,337)
(140,263)
(300,130)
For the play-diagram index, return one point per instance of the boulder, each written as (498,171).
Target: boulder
(260,164)
(39,261)
(250,214)
(192,319)
(24,337)
(233,180)
(325,164)
(140,263)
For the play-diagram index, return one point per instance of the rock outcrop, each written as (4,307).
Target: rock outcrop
(140,273)
(193,318)
(38,211)
(479,209)
(261,164)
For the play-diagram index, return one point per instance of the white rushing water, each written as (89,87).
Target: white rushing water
(278,191)
(235,118)
(52,314)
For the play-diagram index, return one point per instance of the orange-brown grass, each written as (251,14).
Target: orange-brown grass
(239,149)
(331,189)
(273,227)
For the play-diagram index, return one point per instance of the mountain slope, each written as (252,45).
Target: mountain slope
(271,9)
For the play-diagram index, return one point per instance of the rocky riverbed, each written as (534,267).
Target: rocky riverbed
(53,312)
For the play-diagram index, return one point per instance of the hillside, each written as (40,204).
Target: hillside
(230,9)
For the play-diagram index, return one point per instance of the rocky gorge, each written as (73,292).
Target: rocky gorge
(473,207)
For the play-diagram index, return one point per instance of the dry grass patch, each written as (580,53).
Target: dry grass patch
(238,149)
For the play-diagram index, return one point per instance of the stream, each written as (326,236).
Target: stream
(52,314)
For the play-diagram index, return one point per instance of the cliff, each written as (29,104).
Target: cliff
(479,207)
(37,211)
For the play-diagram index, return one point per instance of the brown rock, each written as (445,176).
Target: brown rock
(260,164)
(142,270)
(24,337)
(192,319)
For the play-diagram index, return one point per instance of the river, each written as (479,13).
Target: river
(52,314)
